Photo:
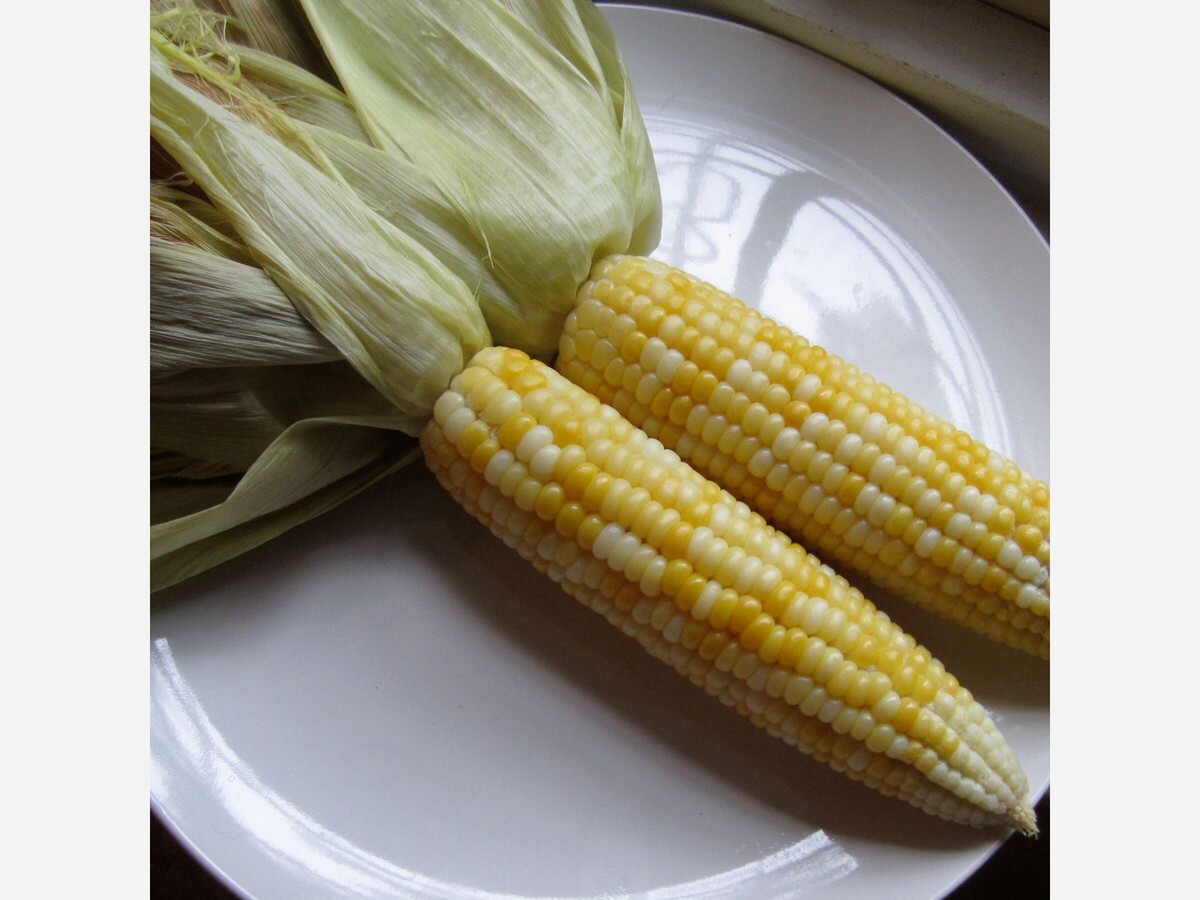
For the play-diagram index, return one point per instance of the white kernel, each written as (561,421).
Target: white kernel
(906,451)
(778,476)
(785,442)
(882,468)
(761,462)
(576,571)
(874,542)
(967,501)
(719,518)
(811,499)
(652,354)
(798,687)
(833,477)
(606,540)
(826,510)
(887,707)
(962,559)
(858,533)
(669,365)
(808,386)
(1027,569)
(927,542)
(813,426)
(1009,555)
(859,759)
(1028,596)
(793,616)
(714,428)
(674,627)
(957,526)
(639,562)
(622,551)
(927,503)
(535,439)
(746,573)
(547,546)
(874,427)
(738,372)
(845,720)
(745,666)
(704,603)
(848,448)
(497,466)
(456,422)
(446,404)
(710,560)
(864,724)
(866,498)
(759,354)
(830,710)
(651,580)
(647,387)
(544,462)
(814,615)
(502,407)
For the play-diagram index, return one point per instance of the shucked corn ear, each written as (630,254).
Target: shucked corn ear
(703,583)
(824,451)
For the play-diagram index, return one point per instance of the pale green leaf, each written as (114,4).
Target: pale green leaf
(515,121)
(399,316)
(312,467)
(210,311)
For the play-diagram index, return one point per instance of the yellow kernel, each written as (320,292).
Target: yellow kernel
(677,573)
(690,591)
(549,501)
(577,481)
(1028,537)
(569,520)
(676,543)
(906,716)
(748,609)
(713,645)
(596,490)
(794,644)
(772,645)
(723,608)
(482,454)
(757,632)
(515,428)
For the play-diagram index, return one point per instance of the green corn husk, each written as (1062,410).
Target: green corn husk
(314,466)
(322,262)
(207,311)
(234,366)
(523,118)
(400,317)
(276,27)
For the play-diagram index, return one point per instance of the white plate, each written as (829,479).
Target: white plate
(387,702)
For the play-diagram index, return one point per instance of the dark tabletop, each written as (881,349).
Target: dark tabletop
(1020,870)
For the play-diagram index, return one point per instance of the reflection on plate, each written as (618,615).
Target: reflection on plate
(387,702)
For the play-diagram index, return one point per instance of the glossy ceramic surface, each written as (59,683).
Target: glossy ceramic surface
(386,702)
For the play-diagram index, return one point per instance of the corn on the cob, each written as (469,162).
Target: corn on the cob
(855,471)
(621,523)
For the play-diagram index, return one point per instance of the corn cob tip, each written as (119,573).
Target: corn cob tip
(1024,820)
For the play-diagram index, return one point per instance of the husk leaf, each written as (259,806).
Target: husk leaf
(399,316)
(509,111)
